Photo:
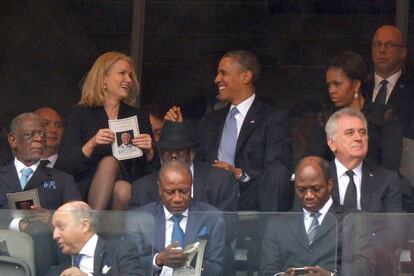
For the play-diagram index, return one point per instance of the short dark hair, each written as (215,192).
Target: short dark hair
(323,164)
(353,65)
(246,60)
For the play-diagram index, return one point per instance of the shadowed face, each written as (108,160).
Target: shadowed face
(53,126)
(312,190)
(175,190)
(340,87)
(29,141)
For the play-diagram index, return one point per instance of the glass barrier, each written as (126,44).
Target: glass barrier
(377,244)
(244,243)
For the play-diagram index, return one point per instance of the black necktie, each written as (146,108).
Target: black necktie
(350,199)
(382,93)
(44,163)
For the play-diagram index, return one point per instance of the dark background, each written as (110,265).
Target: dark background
(46,47)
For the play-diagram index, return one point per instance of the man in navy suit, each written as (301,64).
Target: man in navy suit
(211,185)
(249,138)
(75,229)
(175,192)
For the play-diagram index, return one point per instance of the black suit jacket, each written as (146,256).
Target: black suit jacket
(53,186)
(81,124)
(117,257)
(285,242)
(380,189)
(214,186)
(402,101)
(264,142)
(205,223)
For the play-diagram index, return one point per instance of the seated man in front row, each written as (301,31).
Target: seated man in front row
(176,226)
(75,232)
(307,241)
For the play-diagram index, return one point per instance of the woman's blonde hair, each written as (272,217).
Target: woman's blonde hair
(93,91)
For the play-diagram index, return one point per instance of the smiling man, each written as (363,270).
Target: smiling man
(308,240)
(357,183)
(180,221)
(52,122)
(75,227)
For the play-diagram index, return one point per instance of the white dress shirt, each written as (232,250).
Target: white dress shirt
(169,224)
(323,211)
(243,108)
(14,224)
(343,181)
(392,81)
(88,251)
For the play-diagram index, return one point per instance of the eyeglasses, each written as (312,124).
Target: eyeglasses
(387,45)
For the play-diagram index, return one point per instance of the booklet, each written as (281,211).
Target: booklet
(125,130)
(23,200)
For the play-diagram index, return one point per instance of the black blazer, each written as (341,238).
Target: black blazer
(380,189)
(53,186)
(81,124)
(214,186)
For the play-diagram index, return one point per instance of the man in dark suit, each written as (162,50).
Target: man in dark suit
(250,138)
(357,183)
(27,140)
(307,240)
(389,53)
(174,215)
(75,232)
(211,185)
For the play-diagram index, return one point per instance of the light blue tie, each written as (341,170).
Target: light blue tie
(177,233)
(24,178)
(228,141)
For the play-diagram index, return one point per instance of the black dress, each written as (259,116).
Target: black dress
(81,124)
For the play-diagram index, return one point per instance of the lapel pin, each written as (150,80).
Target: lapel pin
(252,121)
(370,174)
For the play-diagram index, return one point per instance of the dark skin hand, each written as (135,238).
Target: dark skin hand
(171,256)
(311,271)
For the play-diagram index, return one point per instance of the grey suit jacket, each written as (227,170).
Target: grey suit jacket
(285,242)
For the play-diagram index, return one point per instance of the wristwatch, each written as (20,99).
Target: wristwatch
(243,177)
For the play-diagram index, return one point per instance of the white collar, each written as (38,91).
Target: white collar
(391,79)
(341,169)
(245,105)
(89,247)
(20,166)
(168,214)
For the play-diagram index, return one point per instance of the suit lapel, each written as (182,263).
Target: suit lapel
(253,116)
(367,185)
(297,227)
(193,225)
(335,188)
(99,256)
(8,175)
(328,223)
(39,176)
(218,125)
(159,241)
(199,182)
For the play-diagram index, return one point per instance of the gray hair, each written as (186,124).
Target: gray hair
(331,126)
(19,119)
(246,60)
(82,211)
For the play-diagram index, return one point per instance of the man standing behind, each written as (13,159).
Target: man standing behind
(391,86)
(250,138)
(75,229)
(53,124)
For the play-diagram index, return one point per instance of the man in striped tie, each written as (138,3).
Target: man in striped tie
(305,242)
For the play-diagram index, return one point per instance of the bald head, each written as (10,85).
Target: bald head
(74,224)
(388,50)
(53,124)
